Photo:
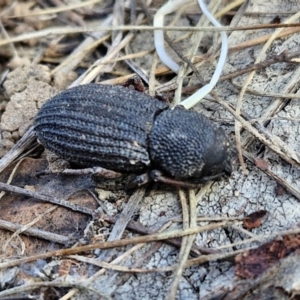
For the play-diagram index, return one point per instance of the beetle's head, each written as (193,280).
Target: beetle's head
(218,157)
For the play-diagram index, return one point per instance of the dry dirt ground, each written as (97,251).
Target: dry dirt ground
(226,255)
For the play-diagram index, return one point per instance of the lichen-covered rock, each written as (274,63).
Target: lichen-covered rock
(28,88)
(18,80)
(23,106)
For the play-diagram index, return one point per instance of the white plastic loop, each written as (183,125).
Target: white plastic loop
(158,21)
(169,7)
(196,97)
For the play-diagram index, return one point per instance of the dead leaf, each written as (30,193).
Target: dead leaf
(262,164)
(254,220)
(254,262)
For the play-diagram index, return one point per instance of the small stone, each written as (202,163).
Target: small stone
(6,135)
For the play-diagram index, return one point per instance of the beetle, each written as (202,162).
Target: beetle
(127,131)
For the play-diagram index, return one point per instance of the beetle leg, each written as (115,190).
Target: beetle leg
(157,176)
(213,177)
(138,181)
(136,82)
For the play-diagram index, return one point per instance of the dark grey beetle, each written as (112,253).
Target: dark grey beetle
(124,130)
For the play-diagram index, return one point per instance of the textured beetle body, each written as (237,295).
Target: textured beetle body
(124,130)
